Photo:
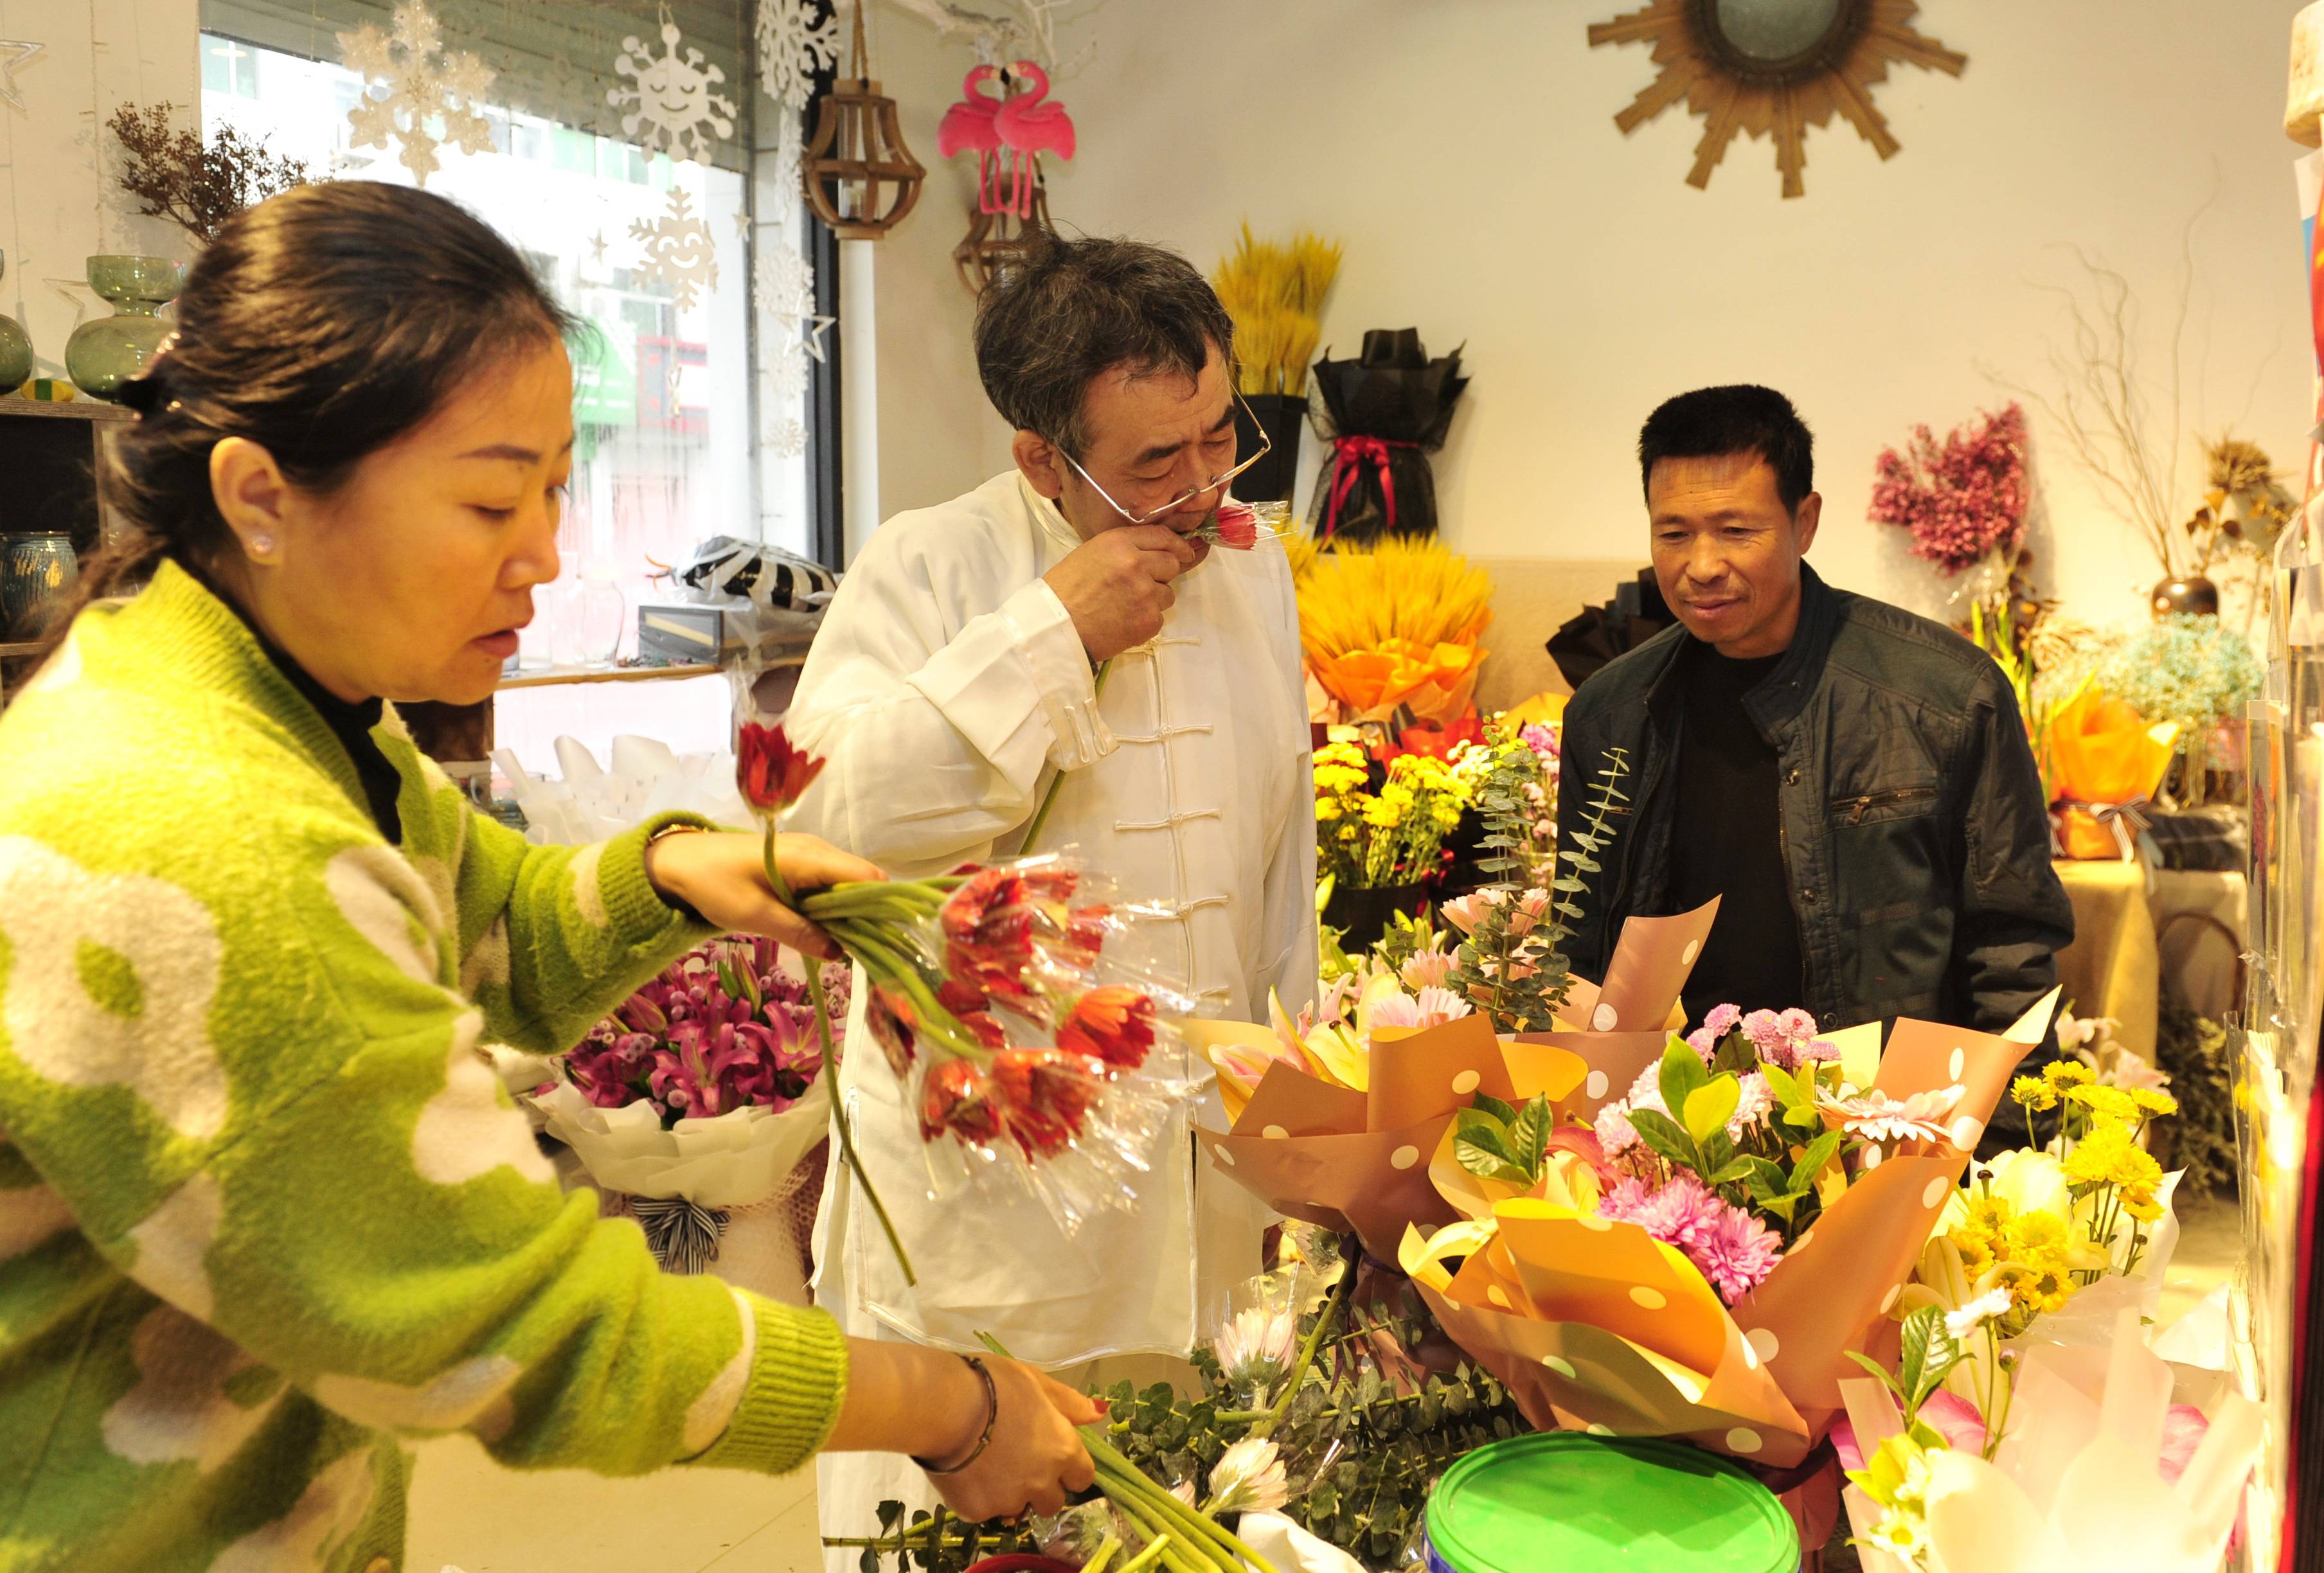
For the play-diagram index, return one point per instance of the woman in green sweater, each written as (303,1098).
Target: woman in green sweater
(263,1211)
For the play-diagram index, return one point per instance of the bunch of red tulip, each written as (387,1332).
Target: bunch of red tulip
(983,990)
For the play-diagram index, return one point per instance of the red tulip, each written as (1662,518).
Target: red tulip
(1114,1024)
(1046,1096)
(771,773)
(958,1097)
(1235,526)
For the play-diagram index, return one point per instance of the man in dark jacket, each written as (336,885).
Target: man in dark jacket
(1852,781)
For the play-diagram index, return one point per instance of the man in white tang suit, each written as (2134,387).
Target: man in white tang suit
(954,679)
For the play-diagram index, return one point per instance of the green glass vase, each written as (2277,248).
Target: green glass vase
(103,355)
(16,348)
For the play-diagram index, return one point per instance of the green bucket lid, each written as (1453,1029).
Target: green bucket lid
(1582,1504)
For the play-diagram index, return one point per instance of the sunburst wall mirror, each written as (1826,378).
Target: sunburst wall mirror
(1772,68)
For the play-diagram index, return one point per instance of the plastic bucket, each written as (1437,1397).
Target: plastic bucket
(1582,1504)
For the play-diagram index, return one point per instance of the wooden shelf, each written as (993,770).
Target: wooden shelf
(65,410)
(552,676)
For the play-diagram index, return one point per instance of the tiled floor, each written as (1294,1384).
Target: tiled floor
(467,1512)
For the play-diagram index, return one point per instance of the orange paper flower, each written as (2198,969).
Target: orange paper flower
(2102,750)
(1436,681)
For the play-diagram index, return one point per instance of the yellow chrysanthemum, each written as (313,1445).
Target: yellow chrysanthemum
(2068,1073)
(2153,1102)
(2142,1205)
(2033,1092)
(2106,1102)
(2107,1156)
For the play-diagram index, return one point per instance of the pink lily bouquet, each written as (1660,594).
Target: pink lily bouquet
(701,1095)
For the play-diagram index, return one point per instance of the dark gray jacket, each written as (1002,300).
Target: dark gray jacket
(1914,831)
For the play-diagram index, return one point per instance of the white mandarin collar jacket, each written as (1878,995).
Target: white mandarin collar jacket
(946,688)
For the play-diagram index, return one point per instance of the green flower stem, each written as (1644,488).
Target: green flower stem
(1108,1550)
(1137,1564)
(1049,799)
(1200,1528)
(1157,1540)
(1308,1351)
(1143,1502)
(814,970)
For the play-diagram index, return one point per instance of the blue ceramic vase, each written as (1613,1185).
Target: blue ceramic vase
(33,569)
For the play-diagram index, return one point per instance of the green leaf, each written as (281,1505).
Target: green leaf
(1813,1158)
(1481,1147)
(1711,1106)
(1735,1053)
(1486,1103)
(869,1562)
(1666,1137)
(1729,1174)
(1529,1136)
(1888,1377)
(1682,1073)
(1912,1354)
(892,1513)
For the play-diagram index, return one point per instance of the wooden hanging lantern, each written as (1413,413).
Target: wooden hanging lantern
(861,178)
(998,241)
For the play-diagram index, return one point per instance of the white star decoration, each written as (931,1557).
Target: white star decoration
(670,97)
(13,53)
(410,80)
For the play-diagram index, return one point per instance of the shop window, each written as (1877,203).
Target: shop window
(664,403)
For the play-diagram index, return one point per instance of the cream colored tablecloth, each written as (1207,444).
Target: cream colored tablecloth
(2185,934)
(2112,966)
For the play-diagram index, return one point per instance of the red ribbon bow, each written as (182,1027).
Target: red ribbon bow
(1349,454)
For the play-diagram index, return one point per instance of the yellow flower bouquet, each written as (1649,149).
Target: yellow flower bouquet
(1367,839)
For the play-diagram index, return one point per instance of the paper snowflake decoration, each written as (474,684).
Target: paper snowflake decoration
(411,85)
(782,288)
(671,98)
(783,285)
(679,250)
(793,45)
(785,438)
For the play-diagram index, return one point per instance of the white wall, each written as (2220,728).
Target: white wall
(57,201)
(1466,154)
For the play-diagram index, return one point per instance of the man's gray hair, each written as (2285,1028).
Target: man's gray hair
(1076,309)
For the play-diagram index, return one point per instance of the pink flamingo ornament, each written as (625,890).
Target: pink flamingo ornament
(967,125)
(1026,125)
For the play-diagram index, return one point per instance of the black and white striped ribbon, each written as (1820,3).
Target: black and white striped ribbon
(682,1235)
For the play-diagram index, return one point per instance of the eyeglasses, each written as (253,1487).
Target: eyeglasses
(1217,482)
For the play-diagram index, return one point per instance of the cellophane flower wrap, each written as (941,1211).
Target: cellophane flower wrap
(1032,1054)
(2110,1458)
(1694,1252)
(706,1085)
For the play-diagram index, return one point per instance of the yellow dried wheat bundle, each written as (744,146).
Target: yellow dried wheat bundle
(1404,588)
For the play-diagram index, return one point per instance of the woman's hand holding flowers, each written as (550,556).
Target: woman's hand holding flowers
(723,878)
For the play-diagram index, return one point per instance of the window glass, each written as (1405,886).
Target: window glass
(663,397)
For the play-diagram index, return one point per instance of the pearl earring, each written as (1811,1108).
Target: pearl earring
(262,545)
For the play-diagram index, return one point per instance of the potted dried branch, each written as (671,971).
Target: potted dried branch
(197,185)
